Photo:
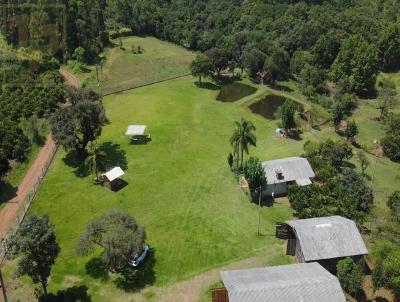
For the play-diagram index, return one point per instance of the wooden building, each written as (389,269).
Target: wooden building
(325,240)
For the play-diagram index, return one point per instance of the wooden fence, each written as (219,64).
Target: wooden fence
(26,204)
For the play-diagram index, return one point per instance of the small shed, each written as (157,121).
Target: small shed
(111,178)
(323,239)
(282,172)
(308,282)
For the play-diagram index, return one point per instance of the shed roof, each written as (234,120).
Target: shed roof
(292,168)
(328,237)
(303,282)
(114,173)
(136,130)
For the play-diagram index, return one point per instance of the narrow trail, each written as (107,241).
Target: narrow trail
(9,213)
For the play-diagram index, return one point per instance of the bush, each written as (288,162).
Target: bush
(394,204)
(349,275)
(387,266)
(254,174)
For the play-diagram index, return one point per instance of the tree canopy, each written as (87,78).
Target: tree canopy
(36,247)
(254,174)
(119,236)
(77,125)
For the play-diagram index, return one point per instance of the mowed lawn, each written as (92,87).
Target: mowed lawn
(124,70)
(179,186)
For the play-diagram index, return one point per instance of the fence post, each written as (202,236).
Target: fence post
(3,287)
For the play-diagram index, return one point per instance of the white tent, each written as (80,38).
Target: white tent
(113,174)
(134,130)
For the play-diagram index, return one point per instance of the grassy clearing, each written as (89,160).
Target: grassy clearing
(179,186)
(124,70)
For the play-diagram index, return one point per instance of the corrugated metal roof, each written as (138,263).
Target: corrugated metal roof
(292,168)
(328,237)
(303,282)
(114,173)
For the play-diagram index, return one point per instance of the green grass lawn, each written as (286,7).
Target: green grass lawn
(124,70)
(179,186)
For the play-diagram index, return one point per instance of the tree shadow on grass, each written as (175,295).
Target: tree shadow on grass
(96,269)
(72,294)
(72,160)
(134,279)
(7,192)
(282,88)
(207,85)
(115,156)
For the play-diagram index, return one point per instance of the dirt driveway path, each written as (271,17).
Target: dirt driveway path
(9,213)
(191,290)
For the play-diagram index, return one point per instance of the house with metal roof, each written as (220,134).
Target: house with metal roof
(302,282)
(323,239)
(282,172)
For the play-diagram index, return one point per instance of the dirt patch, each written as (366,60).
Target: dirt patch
(190,290)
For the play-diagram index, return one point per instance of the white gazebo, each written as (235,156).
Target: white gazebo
(111,177)
(137,132)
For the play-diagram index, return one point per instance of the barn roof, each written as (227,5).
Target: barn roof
(286,283)
(328,237)
(114,173)
(292,168)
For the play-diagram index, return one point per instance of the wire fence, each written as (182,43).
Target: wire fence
(26,205)
(114,91)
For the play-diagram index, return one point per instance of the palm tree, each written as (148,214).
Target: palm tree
(242,138)
(96,160)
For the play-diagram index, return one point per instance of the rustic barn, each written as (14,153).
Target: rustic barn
(282,172)
(324,239)
(286,283)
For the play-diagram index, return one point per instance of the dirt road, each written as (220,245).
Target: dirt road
(10,211)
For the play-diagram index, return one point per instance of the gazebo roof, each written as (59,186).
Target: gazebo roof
(136,130)
(114,173)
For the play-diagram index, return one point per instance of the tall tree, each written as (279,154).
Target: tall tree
(287,115)
(351,130)
(242,138)
(357,60)
(393,203)
(119,236)
(364,162)
(255,175)
(337,115)
(36,247)
(277,65)
(389,46)
(218,59)
(95,162)
(386,97)
(75,126)
(201,67)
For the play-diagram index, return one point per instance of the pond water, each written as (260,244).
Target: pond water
(268,106)
(235,91)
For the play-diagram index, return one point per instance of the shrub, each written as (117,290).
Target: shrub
(349,275)
(254,174)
